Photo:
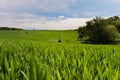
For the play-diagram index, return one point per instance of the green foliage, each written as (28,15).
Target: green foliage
(21,60)
(101,30)
(82,33)
(35,58)
(110,33)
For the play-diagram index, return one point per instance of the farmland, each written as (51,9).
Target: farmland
(41,36)
(36,55)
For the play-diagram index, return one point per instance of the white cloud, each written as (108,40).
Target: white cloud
(61,17)
(30,21)
(75,15)
(89,13)
(43,5)
(113,1)
(68,23)
(110,1)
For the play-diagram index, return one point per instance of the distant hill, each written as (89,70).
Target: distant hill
(9,28)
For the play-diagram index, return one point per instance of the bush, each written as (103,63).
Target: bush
(110,34)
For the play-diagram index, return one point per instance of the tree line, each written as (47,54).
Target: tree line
(9,28)
(100,30)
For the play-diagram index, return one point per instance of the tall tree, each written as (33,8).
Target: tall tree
(100,30)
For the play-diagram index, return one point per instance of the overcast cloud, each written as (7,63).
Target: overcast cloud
(54,14)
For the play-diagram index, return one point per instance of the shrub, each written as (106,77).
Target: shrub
(110,34)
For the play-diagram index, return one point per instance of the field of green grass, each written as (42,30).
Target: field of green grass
(36,55)
(41,36)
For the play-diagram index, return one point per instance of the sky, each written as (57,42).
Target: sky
(54,14)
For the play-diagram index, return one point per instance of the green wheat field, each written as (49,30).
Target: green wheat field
(36,55)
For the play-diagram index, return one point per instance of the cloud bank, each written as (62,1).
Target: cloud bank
(29,21)
(54,14)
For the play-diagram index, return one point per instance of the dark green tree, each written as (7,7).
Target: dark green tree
(100,30)
(110,34)
(82,33)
